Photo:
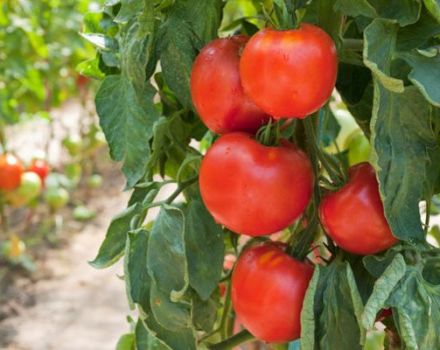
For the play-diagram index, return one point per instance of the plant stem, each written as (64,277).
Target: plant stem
(237,339)
(3,216)
(181,187)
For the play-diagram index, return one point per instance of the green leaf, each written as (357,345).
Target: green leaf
(170,315)
(112,248)
(380,42)
(127,124)
(129,9)
(189,25)
(332,310)
(425,74)
(382,290)
(401,138)
(204,312)
(328,127)
(404,12)
(356,8)
(184,339)
(126,342)
(145,340)
(204,249)
(166,252)
(137,281)
(433,7)
(101,41)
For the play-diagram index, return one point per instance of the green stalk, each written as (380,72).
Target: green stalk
(237,339)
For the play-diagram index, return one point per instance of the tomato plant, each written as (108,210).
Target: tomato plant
(29,188)
(216,88)
(40,167)
(168,94)
(254,189)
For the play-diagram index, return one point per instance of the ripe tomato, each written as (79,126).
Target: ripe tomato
(216,88)
(40,167)
(30,188)
(290,73)
(353,216)
(254,189)
(10,172)
(268,288)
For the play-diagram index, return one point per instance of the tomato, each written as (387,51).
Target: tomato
(73,144)
(290,73)
(82,81)
(268,288)
(94,181)
(216,88)
(40,167)
(30,188)
(358,147)
(10,172)
(56,197)
(354,216)
(254,189)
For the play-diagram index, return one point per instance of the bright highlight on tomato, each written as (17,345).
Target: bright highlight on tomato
(354,216)
(216,89)
(254,189)
(268,288)
(290,73)
(10,172)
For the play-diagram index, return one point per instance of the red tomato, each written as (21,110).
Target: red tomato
(40,167)
(10,172)
(268,288)
(82,81)
(254,189)
(216,89)
(354,217)
(290,73)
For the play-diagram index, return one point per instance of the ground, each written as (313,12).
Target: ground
(66,304)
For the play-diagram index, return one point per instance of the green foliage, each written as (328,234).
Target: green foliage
(388,79)
(39,49)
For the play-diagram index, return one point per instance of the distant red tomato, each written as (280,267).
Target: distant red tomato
(82,81)
(10,172)
(40,167)
(216,88)
(253,189)
(268,288)
(354,216)
(289,73)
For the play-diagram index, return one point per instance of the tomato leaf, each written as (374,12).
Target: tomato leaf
(166,248)
(189,25)
(204,312)
(382,290)
(433,7)
(137,281)
(204,264)
(425,74)
(125,342)
(112,248)
(331,314)
(401,138)
(145,340)
(380,41)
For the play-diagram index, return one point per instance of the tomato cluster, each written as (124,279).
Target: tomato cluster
(238,84)
(19,185)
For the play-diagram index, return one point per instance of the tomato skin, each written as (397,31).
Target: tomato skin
(216,89)
(40,167)
(268,288)
(291,73)
(11,170)
(354,216)
(253,189)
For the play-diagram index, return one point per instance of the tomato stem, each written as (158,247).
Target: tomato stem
(237,339)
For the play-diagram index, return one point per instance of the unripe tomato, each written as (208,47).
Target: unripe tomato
(289,73)
(94,181)
(56,197)
(10,172)
(40,167)
(254,189)
(216,88)
(354,216)
(30,188)
(268,288)
(73,144)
